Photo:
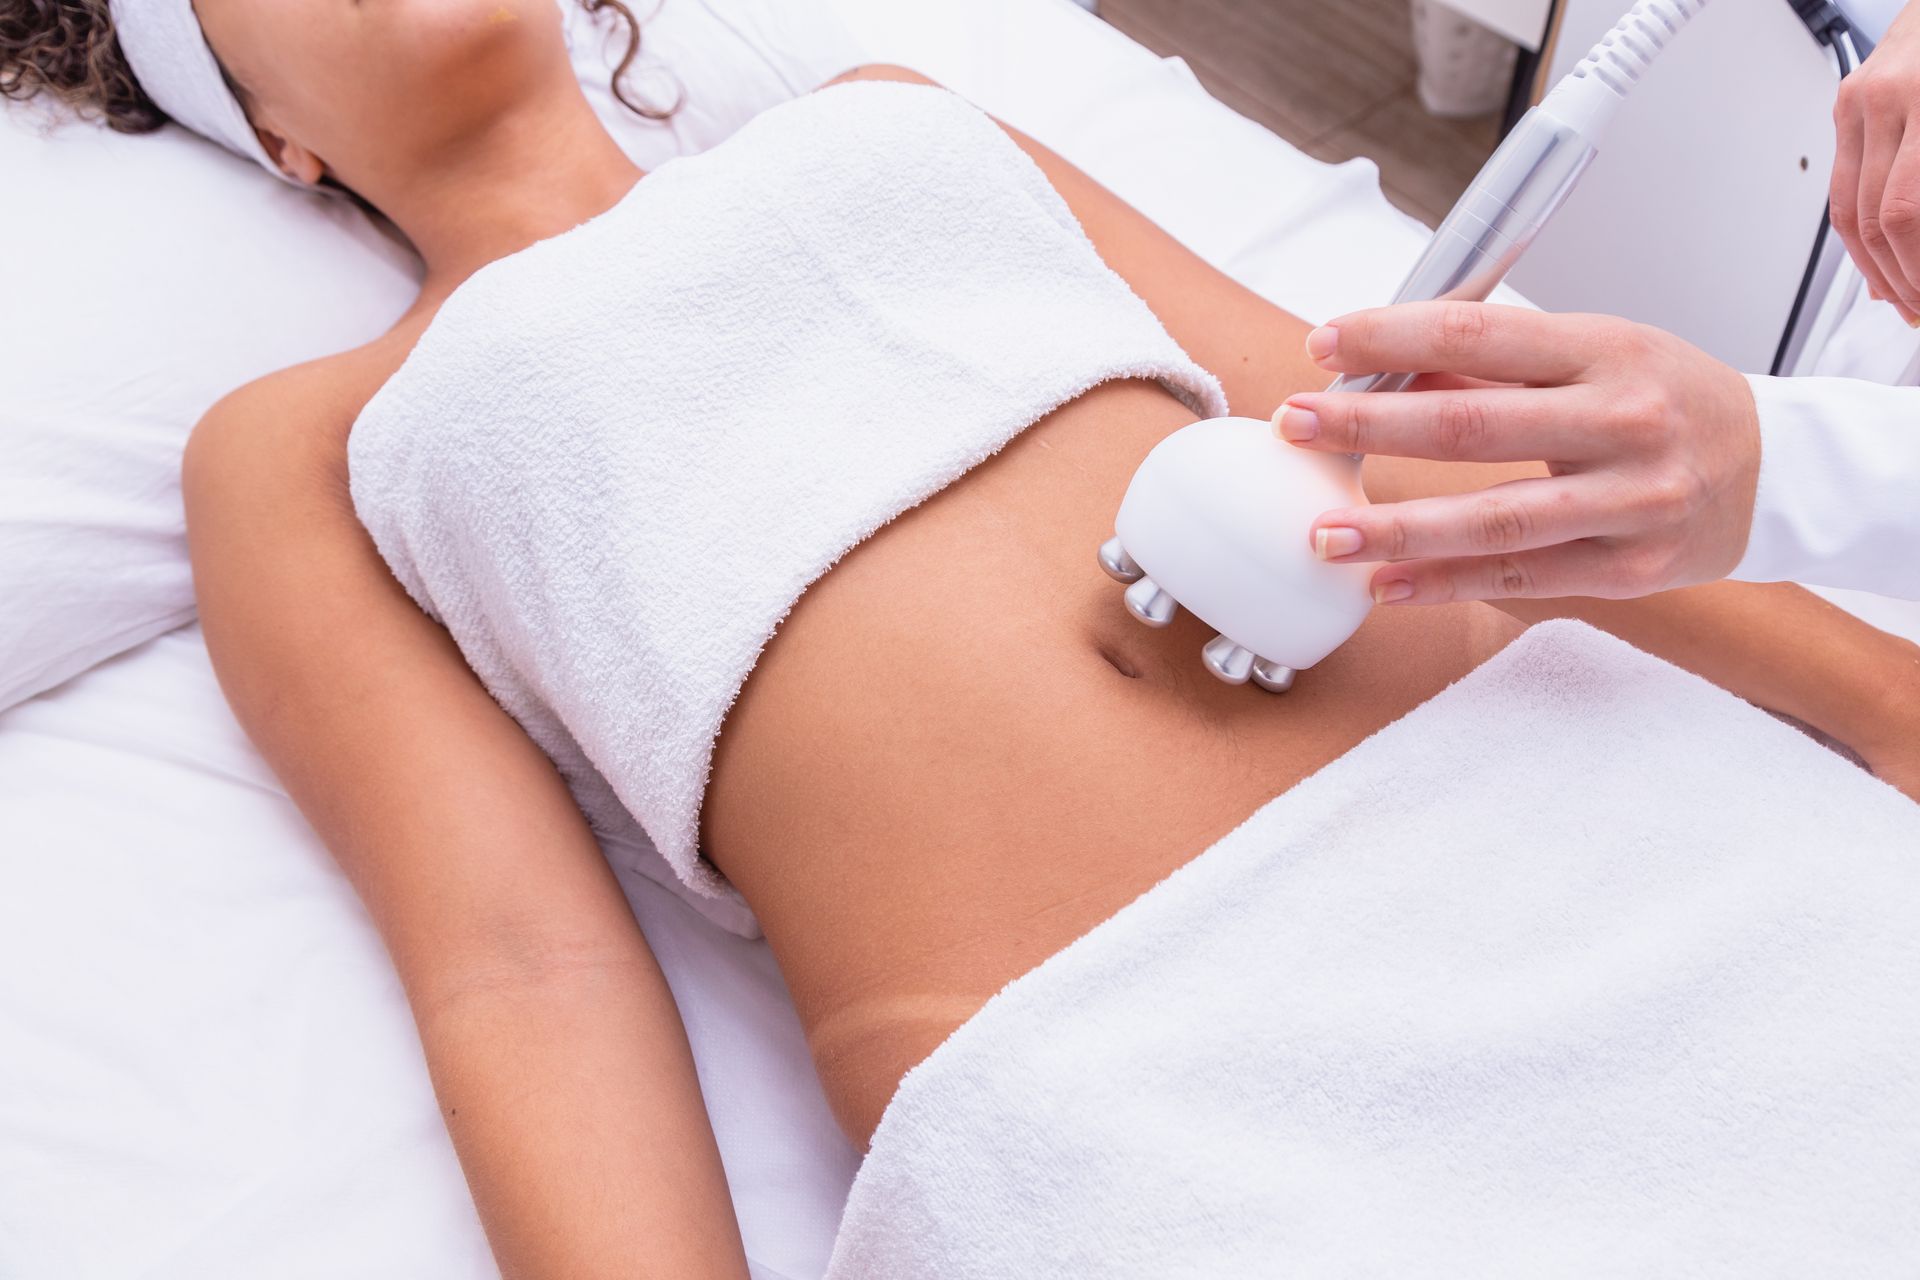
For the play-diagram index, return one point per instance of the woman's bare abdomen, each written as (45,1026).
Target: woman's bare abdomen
(960,753)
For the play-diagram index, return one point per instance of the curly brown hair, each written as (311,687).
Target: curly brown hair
(619,84)
(68,50)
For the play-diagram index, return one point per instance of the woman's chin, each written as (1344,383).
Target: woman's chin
(474,63)
(478,46)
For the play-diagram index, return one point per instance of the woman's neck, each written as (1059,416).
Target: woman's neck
(530,176)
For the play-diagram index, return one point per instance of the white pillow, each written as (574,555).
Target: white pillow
(148,276)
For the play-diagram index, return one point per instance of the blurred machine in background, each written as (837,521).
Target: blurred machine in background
(1704,204)
(1705,213)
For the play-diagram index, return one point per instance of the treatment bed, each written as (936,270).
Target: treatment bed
(207,1067)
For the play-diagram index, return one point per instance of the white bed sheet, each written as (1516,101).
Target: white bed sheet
(206,1067)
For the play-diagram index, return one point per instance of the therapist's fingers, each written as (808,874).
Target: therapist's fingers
(1653,450)
(1875,197)
(1884,134)
(1499,344)
(1843,208)
(1480,425)
(1900,220)
(1519,515)
(1595,568)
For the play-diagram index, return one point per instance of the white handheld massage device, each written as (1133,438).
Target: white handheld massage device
(1216,518)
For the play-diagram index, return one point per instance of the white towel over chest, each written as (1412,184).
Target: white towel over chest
(617,458)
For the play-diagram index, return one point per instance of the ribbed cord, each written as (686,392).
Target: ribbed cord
(1624,53)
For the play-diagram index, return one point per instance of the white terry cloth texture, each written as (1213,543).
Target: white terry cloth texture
(617,458)
(1584,967)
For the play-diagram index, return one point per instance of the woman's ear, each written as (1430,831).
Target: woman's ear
(294,160)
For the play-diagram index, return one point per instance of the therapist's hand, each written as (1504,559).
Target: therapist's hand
(1875,198)
(1653,448)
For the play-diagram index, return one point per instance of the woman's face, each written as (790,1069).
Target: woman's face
(368,88)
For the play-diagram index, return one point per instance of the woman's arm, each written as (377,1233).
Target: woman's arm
(556,1052)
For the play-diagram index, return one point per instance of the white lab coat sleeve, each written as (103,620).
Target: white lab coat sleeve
(1839,498)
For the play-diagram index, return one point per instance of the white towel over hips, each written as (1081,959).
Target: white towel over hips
(1584,968)
(617,458)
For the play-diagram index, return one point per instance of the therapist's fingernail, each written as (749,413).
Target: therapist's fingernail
(1298,424)
(1336,541)
(1322,342)
(1392,592)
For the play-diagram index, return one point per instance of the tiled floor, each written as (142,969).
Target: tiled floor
(1333,77)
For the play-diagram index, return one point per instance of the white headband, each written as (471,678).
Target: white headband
(170,57)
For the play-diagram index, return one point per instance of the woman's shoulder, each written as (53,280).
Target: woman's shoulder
(291,426)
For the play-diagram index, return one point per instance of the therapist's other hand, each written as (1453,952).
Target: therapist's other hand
(1653,450)
(1875,198)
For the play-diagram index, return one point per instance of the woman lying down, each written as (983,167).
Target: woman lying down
(751,503)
